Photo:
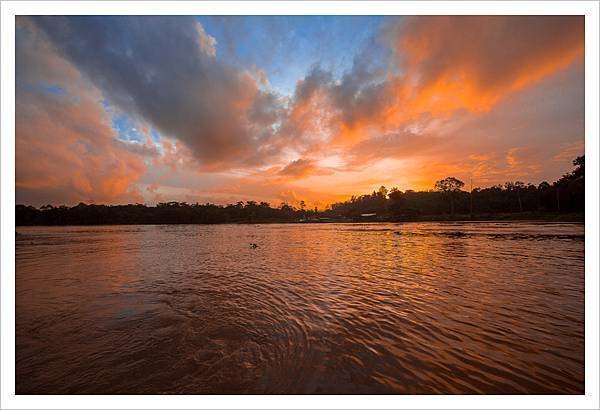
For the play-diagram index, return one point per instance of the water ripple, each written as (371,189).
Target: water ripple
(419,308)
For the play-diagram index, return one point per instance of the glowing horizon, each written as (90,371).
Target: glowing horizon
(283,109)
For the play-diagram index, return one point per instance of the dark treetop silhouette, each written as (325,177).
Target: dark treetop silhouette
(448,201)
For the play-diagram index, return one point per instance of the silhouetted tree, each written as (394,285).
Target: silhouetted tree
(449,186)
(570,188)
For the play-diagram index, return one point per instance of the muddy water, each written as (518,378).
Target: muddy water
(419,308)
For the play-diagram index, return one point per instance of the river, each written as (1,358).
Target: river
(415,308)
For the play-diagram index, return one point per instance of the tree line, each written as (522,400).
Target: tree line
(446,200)
(567,195)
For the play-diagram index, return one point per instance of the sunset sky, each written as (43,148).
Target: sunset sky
(282,109)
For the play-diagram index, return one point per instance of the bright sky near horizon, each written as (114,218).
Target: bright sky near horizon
(124,109)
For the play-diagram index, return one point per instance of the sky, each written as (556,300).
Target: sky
(283,109)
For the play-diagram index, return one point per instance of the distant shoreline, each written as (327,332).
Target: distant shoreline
(510,217)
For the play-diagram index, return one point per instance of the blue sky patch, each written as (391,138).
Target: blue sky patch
(126,129)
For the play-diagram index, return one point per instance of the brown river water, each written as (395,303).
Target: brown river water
(415,308)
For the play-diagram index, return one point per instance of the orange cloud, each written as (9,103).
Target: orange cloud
(472,62)
(66,153)
(301,168)
(65,148)
(568,152)
(445,65)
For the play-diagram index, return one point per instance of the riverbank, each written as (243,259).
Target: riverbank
(504,217)
(523,216)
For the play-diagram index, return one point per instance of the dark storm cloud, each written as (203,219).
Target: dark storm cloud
(164,70)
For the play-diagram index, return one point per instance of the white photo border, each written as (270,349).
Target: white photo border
(9,9)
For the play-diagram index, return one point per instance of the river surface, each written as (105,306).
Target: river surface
(415,308)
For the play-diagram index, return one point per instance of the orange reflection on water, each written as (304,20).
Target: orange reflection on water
(323,308)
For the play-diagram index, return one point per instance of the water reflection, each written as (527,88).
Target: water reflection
(357,308)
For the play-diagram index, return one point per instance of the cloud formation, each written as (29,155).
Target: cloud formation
(472,62)
(303,167)
(444,65)
(65,148)
(66,153)
(164,70)
(495,97)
